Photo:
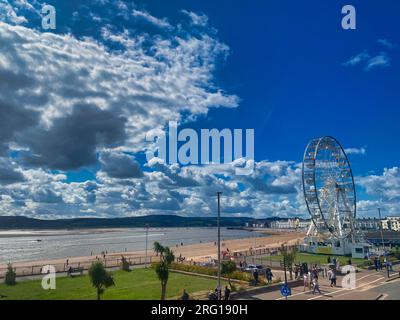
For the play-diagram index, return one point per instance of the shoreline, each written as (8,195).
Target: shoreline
(199,252)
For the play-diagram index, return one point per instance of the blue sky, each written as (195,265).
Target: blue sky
(286,69)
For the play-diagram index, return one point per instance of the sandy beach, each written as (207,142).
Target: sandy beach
(194,252)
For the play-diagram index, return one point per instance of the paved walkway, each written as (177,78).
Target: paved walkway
(370,285)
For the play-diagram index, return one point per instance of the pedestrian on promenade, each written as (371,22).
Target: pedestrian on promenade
(185,295)
(316,286)
(376,264)
(255,275)
(227,293)
(305,280)
(332,277)
(269,275)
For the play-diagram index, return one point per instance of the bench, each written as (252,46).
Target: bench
(71,271)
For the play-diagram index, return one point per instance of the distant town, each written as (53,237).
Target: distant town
(367,224)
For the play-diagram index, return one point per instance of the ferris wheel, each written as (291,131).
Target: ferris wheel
(329,190)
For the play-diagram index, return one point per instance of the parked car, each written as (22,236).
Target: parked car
(252,267)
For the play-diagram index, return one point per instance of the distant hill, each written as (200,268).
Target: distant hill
(11,222)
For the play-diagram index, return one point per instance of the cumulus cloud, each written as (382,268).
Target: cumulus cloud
(70,103)
(89,106)
(385,186)
(71,141)
(9,172)
(119,165)
(147,85)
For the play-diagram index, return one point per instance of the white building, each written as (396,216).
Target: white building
(391,223)
(290,224)
(367,224)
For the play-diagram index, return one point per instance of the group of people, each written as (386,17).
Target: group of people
(217,294)
(311,280)
(381,262)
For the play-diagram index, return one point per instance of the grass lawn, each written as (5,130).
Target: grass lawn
(141,284)
(312,258)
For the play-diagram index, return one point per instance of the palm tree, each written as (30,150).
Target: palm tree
(157,247)
(162,267)
(100,278)
(289,257)
(227,267)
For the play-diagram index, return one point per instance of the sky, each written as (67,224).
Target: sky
(76,103)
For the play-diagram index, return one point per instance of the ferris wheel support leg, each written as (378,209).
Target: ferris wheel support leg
(310,229)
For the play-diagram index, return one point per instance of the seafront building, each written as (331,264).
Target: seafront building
(391,223)
(365,224)
(291,224)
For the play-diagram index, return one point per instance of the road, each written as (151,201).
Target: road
(369,285)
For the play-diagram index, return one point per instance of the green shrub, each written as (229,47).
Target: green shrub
(211,271)
(124,264)
(10,278)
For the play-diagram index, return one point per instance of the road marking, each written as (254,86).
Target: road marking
(325,286)
(356,288)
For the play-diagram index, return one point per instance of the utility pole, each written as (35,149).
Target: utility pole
(255,247)
(383,244)
(381,224)
(147,236)
(219,245)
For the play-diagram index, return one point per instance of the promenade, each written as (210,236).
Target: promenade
(369,285)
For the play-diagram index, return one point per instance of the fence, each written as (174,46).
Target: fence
(109,262)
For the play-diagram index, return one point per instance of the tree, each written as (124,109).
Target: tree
(100,278)
(227,267)
(162,267)
(10,276)
(289,257)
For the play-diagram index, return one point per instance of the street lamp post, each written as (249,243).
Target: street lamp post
(147,236)
(381,224)
(219,245)
(383,243)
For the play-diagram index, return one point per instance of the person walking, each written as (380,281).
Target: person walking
(227,293)
(316,286)
(185,295)
(269,275)
(255,275)
(305,280)
(332,277)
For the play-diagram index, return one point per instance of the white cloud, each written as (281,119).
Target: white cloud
(10,14)
(385,43)
(161,23)
(196,19)
(358,151)
(381,60)
(148,86)
(385,186)
(357,59)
